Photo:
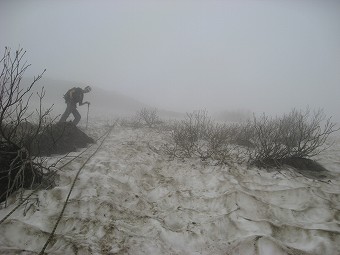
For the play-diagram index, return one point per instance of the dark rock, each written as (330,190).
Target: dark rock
(59,138)
(307,167)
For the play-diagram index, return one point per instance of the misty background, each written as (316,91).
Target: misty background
(256,55)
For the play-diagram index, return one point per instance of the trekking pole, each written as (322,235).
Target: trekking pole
(87,117)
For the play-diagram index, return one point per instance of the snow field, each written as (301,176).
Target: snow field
(130,200)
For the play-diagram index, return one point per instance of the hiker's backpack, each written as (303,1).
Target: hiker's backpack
(73,95)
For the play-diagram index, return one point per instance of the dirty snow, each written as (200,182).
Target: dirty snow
(130,200)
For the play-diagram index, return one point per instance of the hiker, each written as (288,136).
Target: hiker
(72,97)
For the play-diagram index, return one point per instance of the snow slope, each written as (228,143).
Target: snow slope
(130,200)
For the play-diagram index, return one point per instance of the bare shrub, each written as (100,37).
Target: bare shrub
(298,134)
(148,116)
(197,135)
(144,117)
(19,169)
(218,145)
(240,134)
(188,132)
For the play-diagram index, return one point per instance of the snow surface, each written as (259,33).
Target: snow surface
(130,200)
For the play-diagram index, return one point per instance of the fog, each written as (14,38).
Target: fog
(262,56)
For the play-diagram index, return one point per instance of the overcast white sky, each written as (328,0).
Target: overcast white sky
(261,55)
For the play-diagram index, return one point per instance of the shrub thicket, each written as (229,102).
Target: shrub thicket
(265,141)
(197,135)
(296,135)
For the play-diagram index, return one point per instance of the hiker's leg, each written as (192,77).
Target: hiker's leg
(76,115)
(65,114)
